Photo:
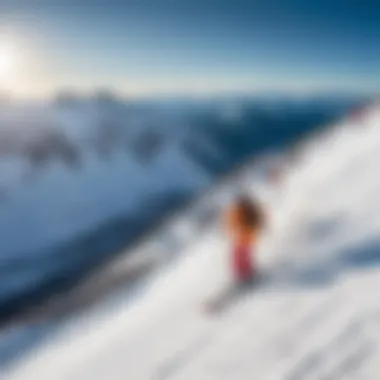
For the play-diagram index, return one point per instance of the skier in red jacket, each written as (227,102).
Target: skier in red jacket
(245,221)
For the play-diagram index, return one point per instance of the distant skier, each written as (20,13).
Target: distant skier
(245,221)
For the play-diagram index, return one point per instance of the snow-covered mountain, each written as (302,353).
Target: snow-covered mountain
(58,186)
(83,178)
(315,315)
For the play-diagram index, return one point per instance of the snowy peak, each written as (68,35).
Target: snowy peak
(314,315)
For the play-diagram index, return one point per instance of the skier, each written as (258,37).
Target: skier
(245,221)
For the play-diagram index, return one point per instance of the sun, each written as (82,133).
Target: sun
(7,61)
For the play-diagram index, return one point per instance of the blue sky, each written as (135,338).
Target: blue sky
(181,46)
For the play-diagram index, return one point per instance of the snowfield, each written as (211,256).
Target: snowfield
(315,314)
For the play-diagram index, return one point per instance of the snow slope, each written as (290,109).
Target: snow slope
(316,314)
(82,178)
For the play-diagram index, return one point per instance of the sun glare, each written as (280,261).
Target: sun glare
(7,61)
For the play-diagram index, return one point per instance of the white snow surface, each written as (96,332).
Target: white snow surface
(316,314)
